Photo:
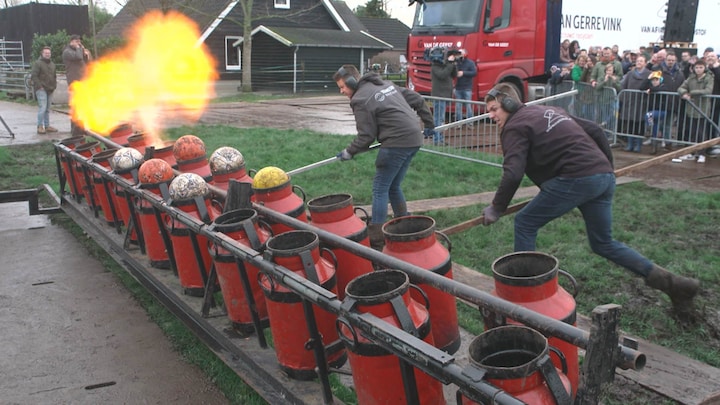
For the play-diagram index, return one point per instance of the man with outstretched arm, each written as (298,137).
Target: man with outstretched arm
(570,160)
(389,115)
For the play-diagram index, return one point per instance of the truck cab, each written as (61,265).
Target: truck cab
(507,39)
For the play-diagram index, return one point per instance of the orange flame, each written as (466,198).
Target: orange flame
(160,75)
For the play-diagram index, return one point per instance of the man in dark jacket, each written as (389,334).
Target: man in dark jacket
(44,81)
(466,72)
(570,160)
(442,73)
(75,58)
(387,114)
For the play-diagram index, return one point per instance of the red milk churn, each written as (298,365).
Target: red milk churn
(376,372)
(189,192)
(104,188)
(515,359)
(299,252)
(228,163)
(154,175)
(68,169)
(272,188)
(530,279)
(139,142)
(190,154)
(121,133)
(243,226)
(335,213)
(412,239)
(83,178)
(165,153)
(125,163)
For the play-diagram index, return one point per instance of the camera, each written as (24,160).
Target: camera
(436,54)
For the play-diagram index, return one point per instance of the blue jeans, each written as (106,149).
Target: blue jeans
(44,102)
(391,165)
(593,196)
(658,123)
(439,109)
(463,95)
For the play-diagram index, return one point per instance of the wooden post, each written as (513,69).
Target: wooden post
(601,354)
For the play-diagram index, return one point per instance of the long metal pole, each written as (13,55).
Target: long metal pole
(628,359)
(413,350)
(321,163)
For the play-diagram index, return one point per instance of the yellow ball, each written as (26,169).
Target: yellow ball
(269,177)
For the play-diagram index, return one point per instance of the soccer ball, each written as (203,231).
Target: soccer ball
(187,186)
(226,160)
(126,159)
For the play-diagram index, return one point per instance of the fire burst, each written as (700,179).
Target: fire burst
(163,73)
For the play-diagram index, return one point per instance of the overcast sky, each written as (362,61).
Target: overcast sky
(397,8)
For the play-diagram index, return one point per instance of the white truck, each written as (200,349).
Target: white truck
(631,24)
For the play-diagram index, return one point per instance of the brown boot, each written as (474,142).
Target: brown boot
(50,129)
(681,290)
(401,212)
(41,129)
(377,239)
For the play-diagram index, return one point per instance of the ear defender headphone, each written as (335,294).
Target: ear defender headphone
(507,103)
(350,80)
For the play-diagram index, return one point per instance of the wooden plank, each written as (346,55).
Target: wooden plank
(624,171)
(666,372)
(463,226)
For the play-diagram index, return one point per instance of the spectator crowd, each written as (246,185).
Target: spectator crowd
(649,96)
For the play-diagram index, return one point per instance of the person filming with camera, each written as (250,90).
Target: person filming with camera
(443,71)
(75,58)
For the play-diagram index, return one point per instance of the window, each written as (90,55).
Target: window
(497,15)
(233,55)
(282,3)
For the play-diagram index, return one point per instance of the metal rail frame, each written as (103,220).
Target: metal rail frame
(602,346)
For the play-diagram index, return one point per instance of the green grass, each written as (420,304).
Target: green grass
(677,229)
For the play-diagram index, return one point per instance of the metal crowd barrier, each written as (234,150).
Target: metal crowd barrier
(666,118)
(662,117)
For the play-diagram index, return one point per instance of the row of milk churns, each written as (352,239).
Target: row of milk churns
(511,354)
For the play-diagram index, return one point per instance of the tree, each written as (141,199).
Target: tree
(373,8)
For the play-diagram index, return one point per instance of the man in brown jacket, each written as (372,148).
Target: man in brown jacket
(44,81)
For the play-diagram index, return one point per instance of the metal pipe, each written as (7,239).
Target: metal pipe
(321,163)
(413,350)
(629,358)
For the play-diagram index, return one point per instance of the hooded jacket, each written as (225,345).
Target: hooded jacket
(387,113)
(546,142)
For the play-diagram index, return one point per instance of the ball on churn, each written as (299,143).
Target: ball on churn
(188,147)
(226,160)
(155,171)
(126,159)
(187,186)
(269,177)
